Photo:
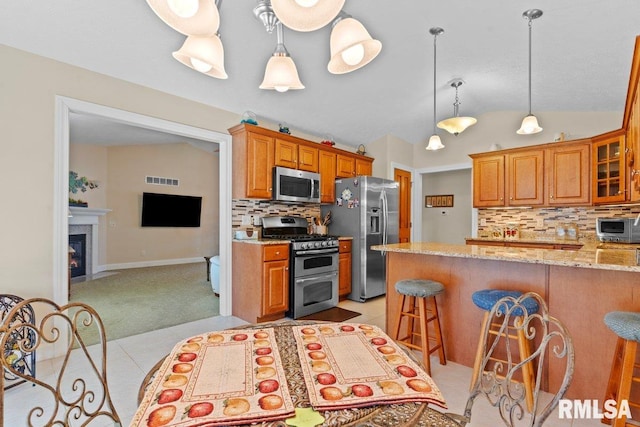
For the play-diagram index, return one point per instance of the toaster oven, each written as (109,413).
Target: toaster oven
(618,230)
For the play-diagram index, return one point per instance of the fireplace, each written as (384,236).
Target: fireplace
(85,221)
(78,258)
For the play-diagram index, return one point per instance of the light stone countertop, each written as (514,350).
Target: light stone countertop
(592,255)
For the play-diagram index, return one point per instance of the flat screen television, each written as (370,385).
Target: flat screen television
(170,210)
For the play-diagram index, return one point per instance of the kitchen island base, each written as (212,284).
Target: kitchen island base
(578,297)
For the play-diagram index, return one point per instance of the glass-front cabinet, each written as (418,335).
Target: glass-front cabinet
(609,168)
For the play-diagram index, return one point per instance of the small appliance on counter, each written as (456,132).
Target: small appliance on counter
(618,230)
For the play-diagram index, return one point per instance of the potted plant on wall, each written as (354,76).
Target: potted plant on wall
(79,183)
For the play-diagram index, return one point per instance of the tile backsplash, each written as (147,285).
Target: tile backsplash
(260,208)
(543,222)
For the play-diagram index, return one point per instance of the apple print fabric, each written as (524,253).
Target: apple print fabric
(347,365)
(226,377)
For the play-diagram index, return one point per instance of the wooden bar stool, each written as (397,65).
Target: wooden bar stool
(486,299)
(627,326)
(416,294)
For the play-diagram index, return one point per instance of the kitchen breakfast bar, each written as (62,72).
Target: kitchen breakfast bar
(579,287)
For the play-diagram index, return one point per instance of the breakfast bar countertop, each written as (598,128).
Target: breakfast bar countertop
(591,255)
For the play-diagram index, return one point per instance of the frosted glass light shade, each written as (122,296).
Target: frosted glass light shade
(205,21)
(349,36)
(281,74)
(305,15)
(529,126)
(204,54)
(434,143)
(456,125)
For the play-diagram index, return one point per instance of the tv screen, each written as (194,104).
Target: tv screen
(170,210)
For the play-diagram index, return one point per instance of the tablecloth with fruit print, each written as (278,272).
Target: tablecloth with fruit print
(226,377)
(352,365)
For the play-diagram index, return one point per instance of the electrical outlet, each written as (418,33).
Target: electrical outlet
(483,222)
(540,223)
(246,220)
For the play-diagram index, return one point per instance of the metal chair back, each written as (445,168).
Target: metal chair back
(71,387)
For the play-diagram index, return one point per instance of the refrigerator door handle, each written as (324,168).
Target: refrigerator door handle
(385,218)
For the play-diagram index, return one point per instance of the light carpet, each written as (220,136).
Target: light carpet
(138,300)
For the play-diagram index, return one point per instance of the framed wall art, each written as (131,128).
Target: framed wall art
(439,201)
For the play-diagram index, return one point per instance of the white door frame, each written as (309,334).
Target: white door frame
(64,106)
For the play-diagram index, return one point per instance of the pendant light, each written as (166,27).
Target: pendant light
(306,15)
(434,141)
(456,124)
(204,54)
(351,45)
(281,73)
(189,17)
(530,122)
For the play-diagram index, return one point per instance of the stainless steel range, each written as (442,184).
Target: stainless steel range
(313,264)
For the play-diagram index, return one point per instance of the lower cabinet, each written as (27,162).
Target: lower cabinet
(260,283)
(531,245)
(344,264)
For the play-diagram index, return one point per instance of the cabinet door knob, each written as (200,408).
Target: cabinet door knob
(277,252)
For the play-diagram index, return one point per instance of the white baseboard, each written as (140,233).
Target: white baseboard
(150,263)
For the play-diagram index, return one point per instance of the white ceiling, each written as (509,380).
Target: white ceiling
(581,59)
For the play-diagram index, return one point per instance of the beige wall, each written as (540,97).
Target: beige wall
(121,172)
(455,224)
(29,86)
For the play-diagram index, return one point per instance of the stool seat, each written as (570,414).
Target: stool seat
(487,298)
(420,288)
(625,324)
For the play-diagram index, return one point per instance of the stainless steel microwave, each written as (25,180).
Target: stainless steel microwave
(618,230)
(292,185)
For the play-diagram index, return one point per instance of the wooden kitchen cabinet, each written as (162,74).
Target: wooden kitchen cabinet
(345,166)
(257,150)
(609,168)
(260,277)
(568,174)
(327,168)
(295,156)
(364,167)
(344,266)
(525,176)
(488,181)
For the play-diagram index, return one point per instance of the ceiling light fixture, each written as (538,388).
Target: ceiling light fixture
(351,45)
(306,15)
(281,73)
(530,122)
(434,142)
(189,17)
(456,124)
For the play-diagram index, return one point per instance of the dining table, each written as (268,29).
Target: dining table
(290,373)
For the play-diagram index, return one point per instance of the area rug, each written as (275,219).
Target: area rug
(139,300)
(334,314)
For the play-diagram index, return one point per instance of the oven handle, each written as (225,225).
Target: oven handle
(316,252)
(316,278)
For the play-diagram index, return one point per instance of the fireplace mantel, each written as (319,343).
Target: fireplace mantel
(88,217)
(85,216)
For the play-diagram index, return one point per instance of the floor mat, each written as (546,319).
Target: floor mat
(334,314)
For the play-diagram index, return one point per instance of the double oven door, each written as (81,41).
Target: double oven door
(314,281)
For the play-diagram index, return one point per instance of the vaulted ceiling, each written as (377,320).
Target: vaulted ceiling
(581,59)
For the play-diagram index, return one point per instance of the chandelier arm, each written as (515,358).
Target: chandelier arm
(435,38)
(530,25)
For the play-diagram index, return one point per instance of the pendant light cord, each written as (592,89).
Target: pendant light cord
(435,38)
(530,22)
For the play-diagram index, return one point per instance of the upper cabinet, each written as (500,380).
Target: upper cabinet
(257,150)
(609,169)
(524,173)
(567,174)
(556,174)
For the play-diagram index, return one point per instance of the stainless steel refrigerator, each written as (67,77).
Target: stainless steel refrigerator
(366,208)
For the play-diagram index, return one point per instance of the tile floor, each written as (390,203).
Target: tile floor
(129,360)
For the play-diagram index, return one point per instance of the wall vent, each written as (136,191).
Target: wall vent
(157,180)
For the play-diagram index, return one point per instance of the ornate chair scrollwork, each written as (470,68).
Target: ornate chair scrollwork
(500,381)
(71,387)
(23,362)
